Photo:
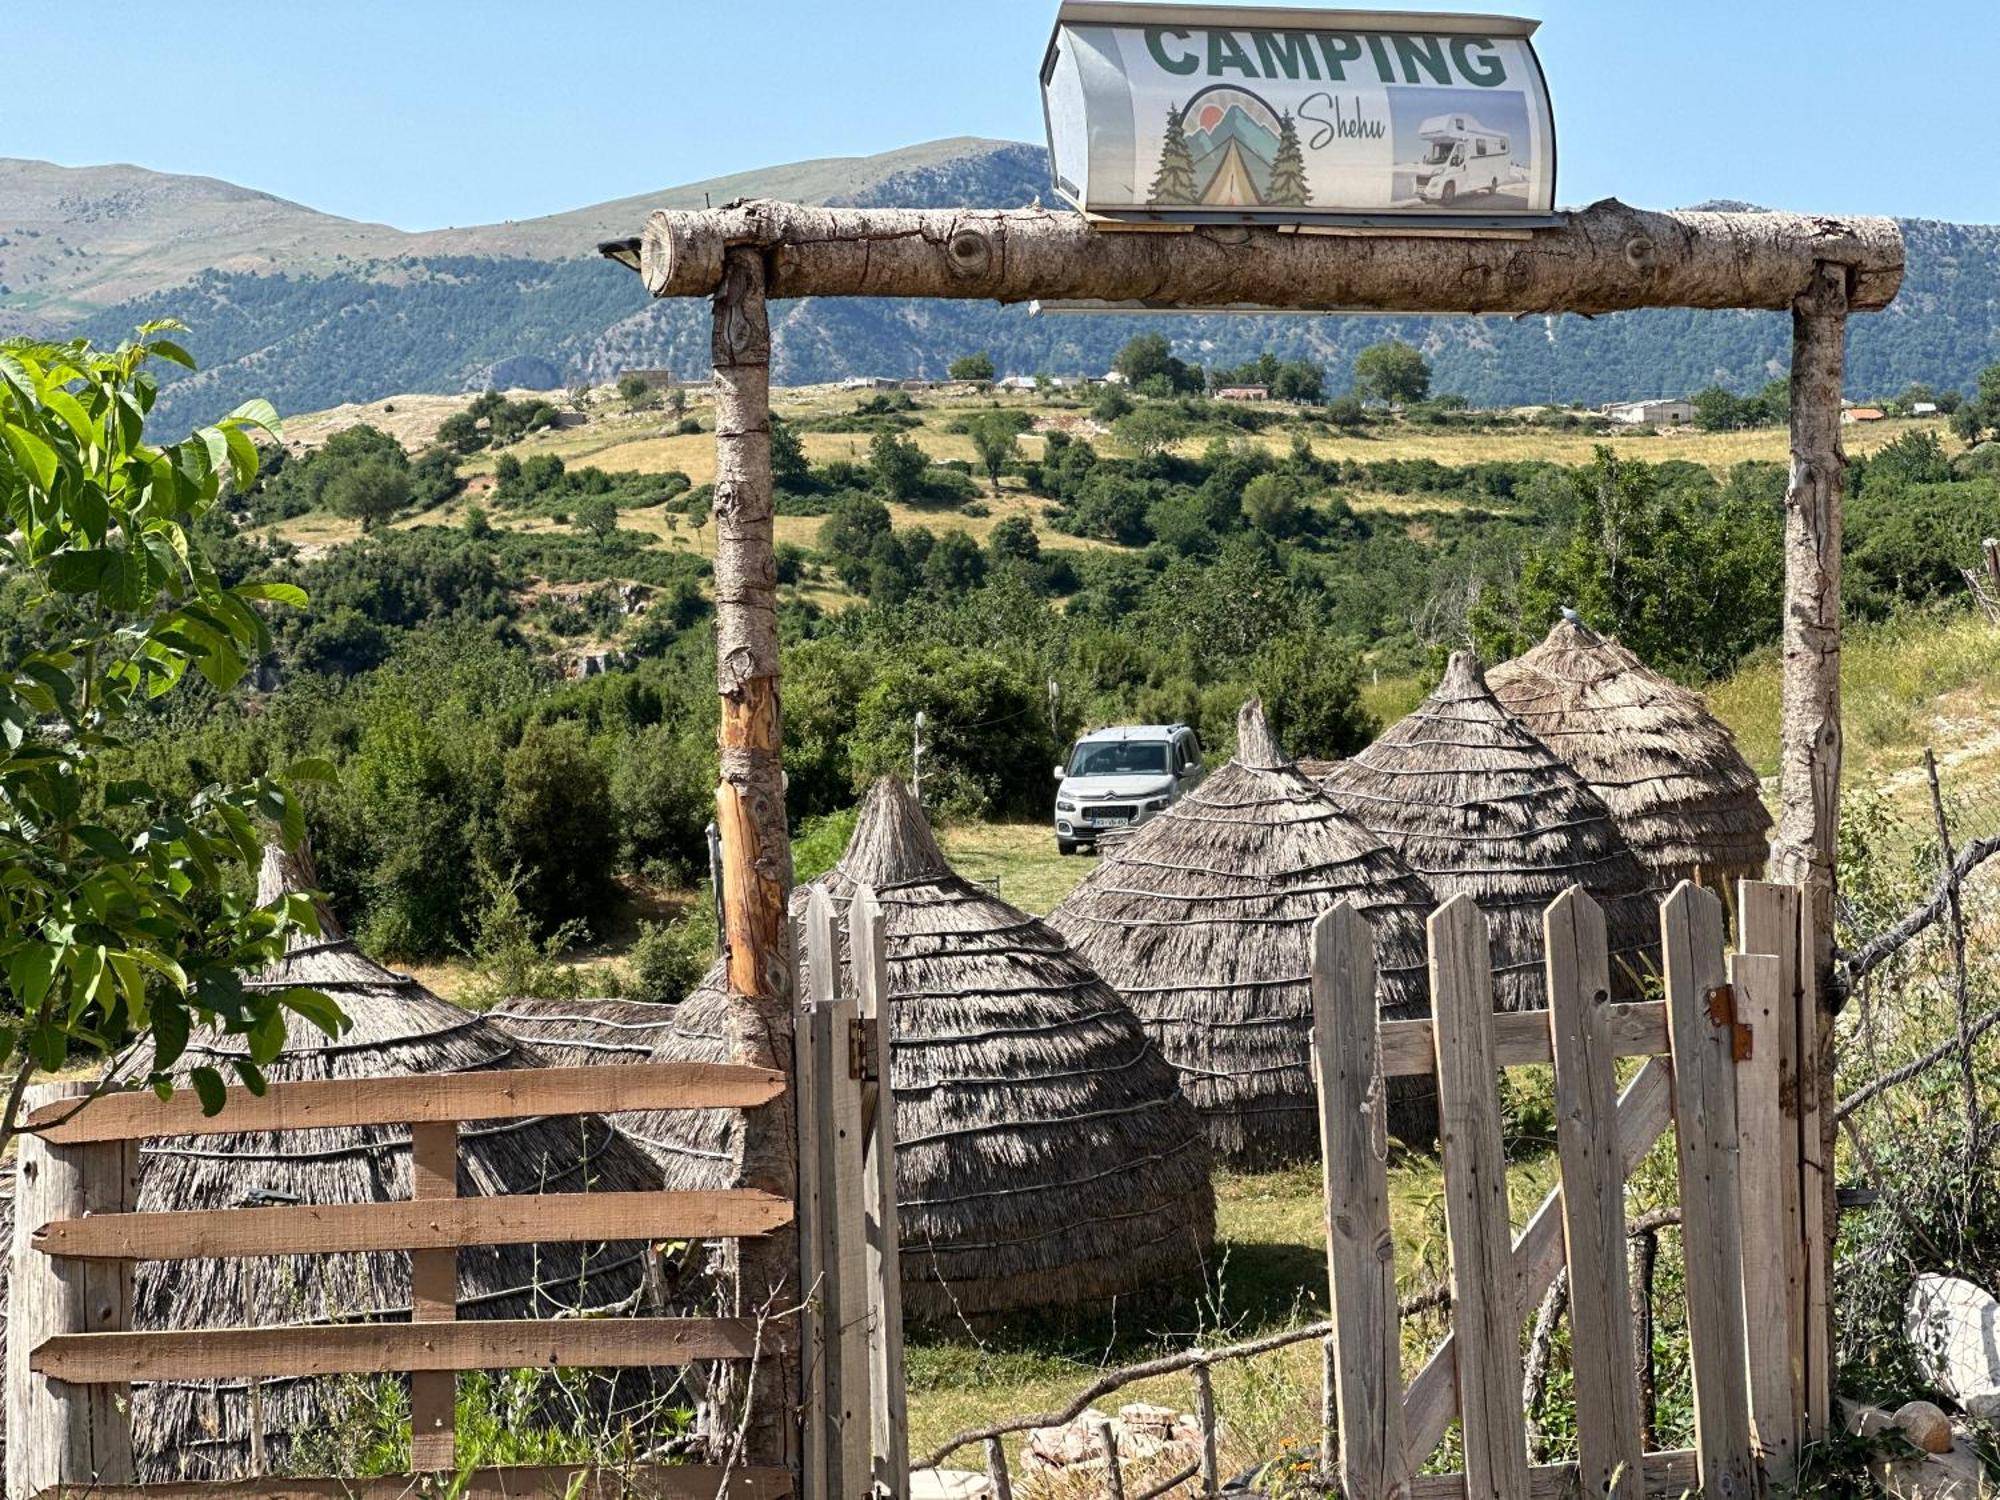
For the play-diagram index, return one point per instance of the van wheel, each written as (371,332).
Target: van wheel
(1450,192)
(1065,846)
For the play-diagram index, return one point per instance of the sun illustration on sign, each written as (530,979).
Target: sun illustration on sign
(1227,147)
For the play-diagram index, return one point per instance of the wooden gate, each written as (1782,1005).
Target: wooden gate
(1723,1057)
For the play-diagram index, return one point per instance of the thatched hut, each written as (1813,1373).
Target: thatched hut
(1202,920)
(1669,770)
(577,1033)
(1479,807)
(1044,1155)
(203,1430)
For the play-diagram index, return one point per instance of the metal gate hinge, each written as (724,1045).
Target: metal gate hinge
(861,1049)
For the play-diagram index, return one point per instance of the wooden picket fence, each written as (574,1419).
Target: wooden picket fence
(1729,1055)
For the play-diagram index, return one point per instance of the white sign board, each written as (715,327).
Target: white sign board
(1250,115)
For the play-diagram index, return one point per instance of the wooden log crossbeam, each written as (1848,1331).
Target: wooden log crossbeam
(370,1348)
(1521,1038)
(450,1224)
(423,1099)
(1608,257)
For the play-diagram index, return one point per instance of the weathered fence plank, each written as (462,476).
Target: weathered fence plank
(349,1228)
(1609,1444)
(1361,1253)
(326,1104)
(814,1481)
(1702,1011)
(523,1482)
(1817,1216)
(1643,1112)
(1668,1476)
(1770,924)
(59,1433)
(1765,1158)
(370,1348)
(433,1299)
(888,1399)
(1486,1298)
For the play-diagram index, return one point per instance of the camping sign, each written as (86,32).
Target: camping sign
(1209,114)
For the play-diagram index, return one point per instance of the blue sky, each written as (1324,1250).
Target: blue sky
(425,113)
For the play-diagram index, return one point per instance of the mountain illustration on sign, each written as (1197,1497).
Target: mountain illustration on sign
(1228,148)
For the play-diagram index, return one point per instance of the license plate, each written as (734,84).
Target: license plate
(1109,815)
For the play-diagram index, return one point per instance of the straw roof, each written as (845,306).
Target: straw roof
(577,1033)
(1481,808)
(1044,1155)
(202,1430)
(1202,920)
(1669,770)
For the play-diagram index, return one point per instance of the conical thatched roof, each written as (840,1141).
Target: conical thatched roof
(1669,770)
(1202,920)
(1044,1155)
(577,1033)
(1481,808)
(203,1430)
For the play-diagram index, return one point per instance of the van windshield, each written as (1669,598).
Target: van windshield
(1120,758)
(1439,154)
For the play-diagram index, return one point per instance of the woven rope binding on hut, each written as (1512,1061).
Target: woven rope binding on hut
(1669,770)
(203,1430)
(1481,808)
(1044,1155)
(1202,920)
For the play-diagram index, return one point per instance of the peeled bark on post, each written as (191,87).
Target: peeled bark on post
(58,1433)
(1805,847)
(1604,258)
(756,853)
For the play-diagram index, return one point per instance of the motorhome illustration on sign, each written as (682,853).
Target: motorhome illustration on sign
(1199,113)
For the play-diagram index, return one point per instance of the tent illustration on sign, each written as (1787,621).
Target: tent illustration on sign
(1226,147)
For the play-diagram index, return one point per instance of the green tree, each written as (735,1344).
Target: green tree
(976,367)
(1311,686)
(1288,169)
(1720,410)
(635,390)
(1014,540)
(1150,429)
(1174,183)
(1143,354)
(121,910)
(1271,502)
(1979,414)
(1392,372)
(897,465)
(555,823)
(993,438)
(596,515)
(789,466)
(1299,380)
(371,492)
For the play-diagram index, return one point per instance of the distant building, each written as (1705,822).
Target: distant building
(656,379)
(1675,413)
(1015,383)
(869,383)
(920,385)
(1923,408)
(1862,414)
(1114,377)
(1243,393)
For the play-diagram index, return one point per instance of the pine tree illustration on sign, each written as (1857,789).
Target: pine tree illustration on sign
(1175,182)
(1288,169)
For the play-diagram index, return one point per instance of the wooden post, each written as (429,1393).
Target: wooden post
(1204,1415)
(996,1470)
(1610,1452)
(750,819)
(59,1433)
(868,940)
(1765,1156)
(1107,1444)
(1360,1251)
(433,1299)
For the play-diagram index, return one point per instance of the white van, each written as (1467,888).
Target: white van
(1118,778)
(1461,156)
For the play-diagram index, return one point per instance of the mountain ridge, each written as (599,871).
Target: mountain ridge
(314,310)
